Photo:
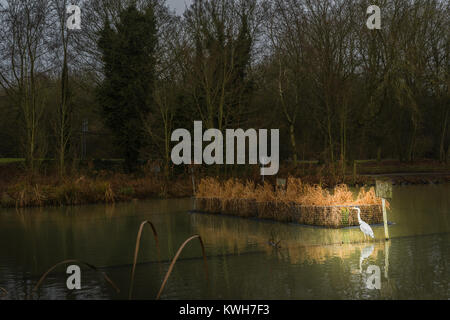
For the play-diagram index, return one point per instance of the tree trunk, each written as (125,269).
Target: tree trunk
(293,143)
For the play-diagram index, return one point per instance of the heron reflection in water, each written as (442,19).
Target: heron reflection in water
(365,253)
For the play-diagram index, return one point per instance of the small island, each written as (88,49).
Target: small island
(297,202)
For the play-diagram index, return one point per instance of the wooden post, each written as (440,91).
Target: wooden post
(193,180)
(263,163)
(384,191)
(385,220)
(387,244)
(282,184)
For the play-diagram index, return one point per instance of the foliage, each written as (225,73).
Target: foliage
(336,90)
(125,94)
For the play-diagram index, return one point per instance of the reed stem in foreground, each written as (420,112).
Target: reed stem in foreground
(5,293)
(136,251)
(79,262)
(174,260)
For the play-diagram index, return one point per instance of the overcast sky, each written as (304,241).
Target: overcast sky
(179,5)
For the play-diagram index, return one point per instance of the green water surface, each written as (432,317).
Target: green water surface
(312,263)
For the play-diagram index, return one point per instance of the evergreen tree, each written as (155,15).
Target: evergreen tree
(125,96)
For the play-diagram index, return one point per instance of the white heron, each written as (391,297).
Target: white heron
(365,228)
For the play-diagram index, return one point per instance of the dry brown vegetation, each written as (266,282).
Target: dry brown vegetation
(296,191)
(82,189)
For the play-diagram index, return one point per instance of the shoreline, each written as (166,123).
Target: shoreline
(49,191)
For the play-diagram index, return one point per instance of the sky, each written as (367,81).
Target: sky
(179,5)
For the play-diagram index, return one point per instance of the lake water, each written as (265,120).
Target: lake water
(312,263)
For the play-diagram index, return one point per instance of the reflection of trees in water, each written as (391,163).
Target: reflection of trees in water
(38,238)
(298,244)
(303,245)
(307,245)
(421,264)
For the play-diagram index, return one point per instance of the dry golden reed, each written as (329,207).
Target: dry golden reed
(296,191)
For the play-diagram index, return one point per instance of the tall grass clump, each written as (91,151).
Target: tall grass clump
(81,189)
(296,192)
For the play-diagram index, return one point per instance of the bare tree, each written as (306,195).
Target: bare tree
(221,39)
(62,53)
(23,67)
(170,75)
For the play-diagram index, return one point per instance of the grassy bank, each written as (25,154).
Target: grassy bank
(81,189)
(102,182)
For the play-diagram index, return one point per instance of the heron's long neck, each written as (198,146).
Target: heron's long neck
(359,215)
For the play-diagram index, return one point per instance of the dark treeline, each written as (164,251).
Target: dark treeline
(136,71)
